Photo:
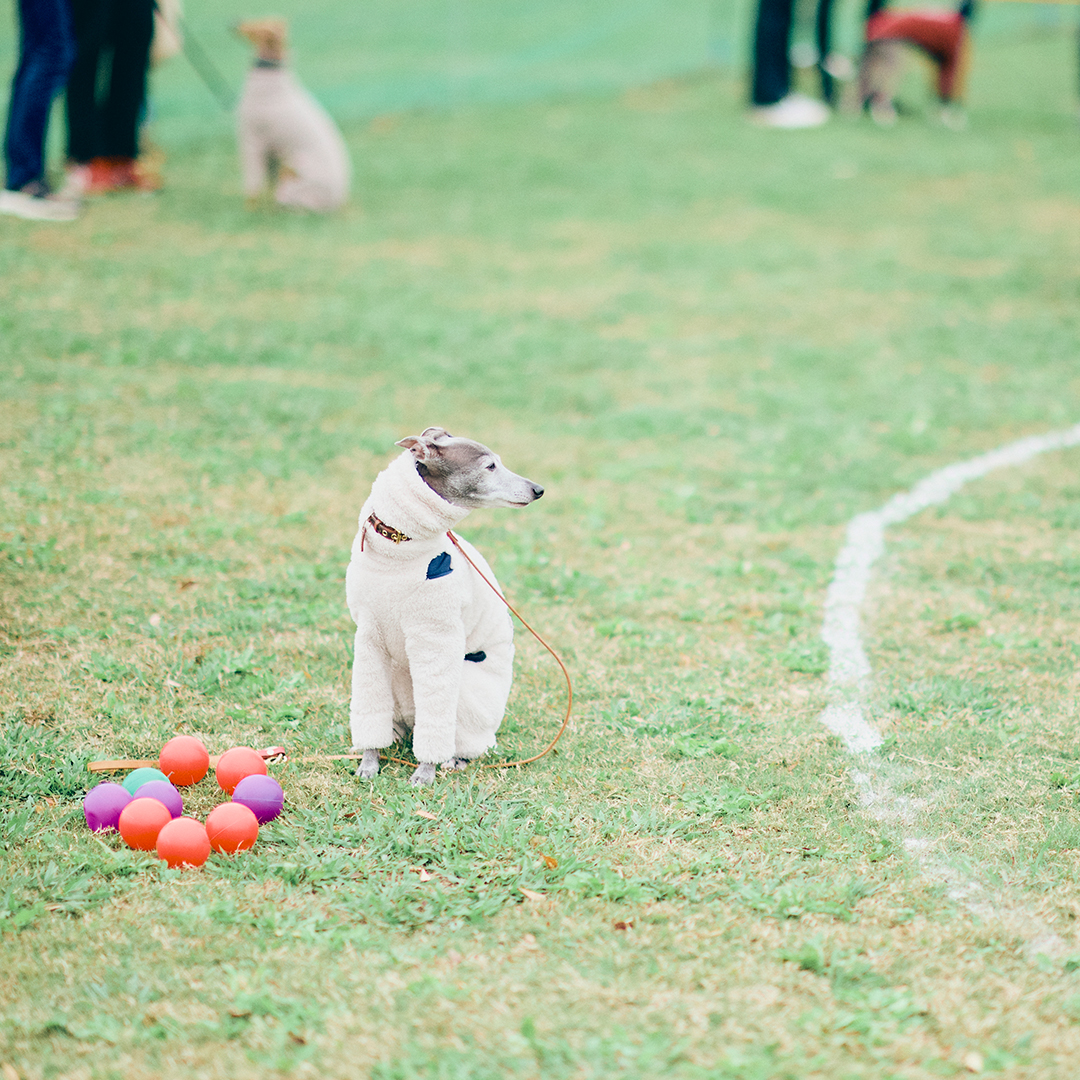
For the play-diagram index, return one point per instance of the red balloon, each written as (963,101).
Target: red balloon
(141,821)
(237,763)
(232,827)
(183,842)
(184,760)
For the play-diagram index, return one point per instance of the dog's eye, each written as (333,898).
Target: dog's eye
(492,467)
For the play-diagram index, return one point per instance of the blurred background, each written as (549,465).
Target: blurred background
(365,59)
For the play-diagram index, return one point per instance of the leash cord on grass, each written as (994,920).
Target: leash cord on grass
(100,766)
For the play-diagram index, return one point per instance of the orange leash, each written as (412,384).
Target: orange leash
(558,660)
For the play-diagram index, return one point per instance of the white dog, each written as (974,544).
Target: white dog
(434,643)
(282,127)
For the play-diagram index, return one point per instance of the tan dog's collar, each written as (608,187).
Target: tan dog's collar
(385,530)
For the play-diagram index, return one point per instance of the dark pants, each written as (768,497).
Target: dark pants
(771,78)
(107,87)
(46,51)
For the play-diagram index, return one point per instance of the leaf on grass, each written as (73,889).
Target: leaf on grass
(530,895)
(57,1027)
(426,814)
(550,862)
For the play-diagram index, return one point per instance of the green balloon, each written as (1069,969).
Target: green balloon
(136,779)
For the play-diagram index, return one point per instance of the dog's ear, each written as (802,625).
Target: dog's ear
(267,35)
(435,433)
(423,448)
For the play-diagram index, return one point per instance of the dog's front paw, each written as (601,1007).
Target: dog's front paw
(425,774)
(369,765)
(455,764)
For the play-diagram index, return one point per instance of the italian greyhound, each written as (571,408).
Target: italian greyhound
(434,643)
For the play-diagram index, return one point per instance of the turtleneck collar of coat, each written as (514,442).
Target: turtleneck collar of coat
(400,498)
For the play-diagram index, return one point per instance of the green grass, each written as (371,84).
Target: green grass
(712,345)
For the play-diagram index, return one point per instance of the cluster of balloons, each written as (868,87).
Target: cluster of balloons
(148,810)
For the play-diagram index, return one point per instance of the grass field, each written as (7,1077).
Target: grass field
(713,345)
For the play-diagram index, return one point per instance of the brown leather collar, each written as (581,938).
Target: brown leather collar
(385,530)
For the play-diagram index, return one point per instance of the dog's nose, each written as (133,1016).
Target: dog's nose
(537,491)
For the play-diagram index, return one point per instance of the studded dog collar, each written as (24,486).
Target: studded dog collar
(386,530)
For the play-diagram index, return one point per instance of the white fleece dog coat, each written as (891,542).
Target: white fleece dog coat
(434,644)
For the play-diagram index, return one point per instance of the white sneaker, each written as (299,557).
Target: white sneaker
(76,183)
(35,203)
(793,111)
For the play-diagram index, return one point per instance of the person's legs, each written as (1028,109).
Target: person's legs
(773,103)
(131,33)
(46,51)
(823,35)
(771,77)
(83,124)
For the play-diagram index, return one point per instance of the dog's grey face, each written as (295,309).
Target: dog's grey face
(467,473)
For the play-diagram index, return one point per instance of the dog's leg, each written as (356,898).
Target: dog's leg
(425,774)
(485,686)
(879,76)
(371,710)
(435,646)
(425,771)
(253,163)
(369,764)
(297,193)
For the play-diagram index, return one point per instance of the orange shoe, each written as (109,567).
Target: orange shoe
(109,174)
(102,176)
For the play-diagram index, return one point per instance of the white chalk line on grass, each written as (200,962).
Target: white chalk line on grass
(849,669)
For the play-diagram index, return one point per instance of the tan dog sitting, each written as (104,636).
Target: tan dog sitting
(285,132)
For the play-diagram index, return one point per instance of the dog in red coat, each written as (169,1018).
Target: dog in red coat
(940,35)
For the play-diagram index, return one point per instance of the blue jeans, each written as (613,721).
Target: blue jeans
(46,53)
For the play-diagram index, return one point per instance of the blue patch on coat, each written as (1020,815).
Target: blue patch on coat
(476,657)
(439,566)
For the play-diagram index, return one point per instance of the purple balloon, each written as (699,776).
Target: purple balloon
(262,795)
(165,794)
(103,805)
